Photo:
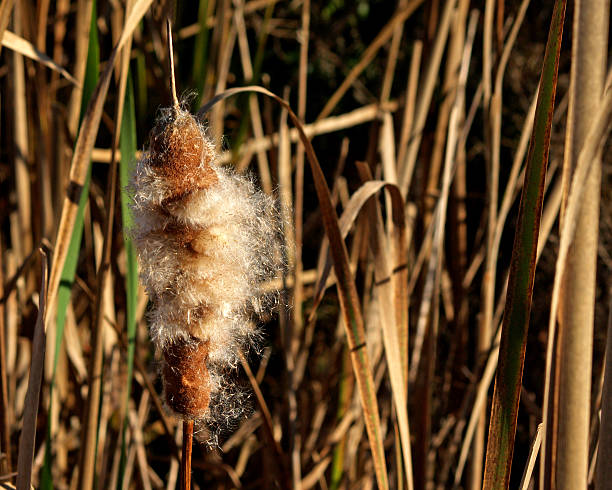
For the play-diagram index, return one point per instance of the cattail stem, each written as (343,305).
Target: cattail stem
(186,456)
(175,102)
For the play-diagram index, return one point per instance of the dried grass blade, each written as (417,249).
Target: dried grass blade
(22,146)
(6,7)
(508,378)
(533,454)
(28,432)
(315,475)
(383,276)
(346,222)
(26,48)
(349,301)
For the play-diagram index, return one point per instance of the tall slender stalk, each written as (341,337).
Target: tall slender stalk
(569,446)
(186,455)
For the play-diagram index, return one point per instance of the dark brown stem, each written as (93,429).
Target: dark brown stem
(5,425)
(186,457)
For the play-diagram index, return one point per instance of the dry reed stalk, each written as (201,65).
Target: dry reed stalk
(256,122)
(6,7)
(21,150)
(406,167)
(533,454)
(412,83)
(297,319)
(27,438)
(298,287)
(604,452)
(484,336)
(286,323)
(449,86)
(568,432)
(5,417)
(592,146)
(83,26)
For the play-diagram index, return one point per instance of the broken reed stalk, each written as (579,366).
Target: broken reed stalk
(207,240)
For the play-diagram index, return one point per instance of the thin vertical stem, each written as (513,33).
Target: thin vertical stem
(186,455)
(5,434)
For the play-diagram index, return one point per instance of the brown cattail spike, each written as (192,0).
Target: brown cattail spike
(186,377)
(207,242)
(180,154)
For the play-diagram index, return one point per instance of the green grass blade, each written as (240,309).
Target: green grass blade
(72,258)
(200,50)
(515,324)
(128,150)
(345,392)
(69,270)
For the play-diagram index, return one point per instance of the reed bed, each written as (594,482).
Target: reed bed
(400,258)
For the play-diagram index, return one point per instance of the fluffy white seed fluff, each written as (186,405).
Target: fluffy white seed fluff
(207,240)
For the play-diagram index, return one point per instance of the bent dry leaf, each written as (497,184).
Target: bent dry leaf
(392,283)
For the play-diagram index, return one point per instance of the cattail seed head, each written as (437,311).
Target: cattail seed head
(207,239)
